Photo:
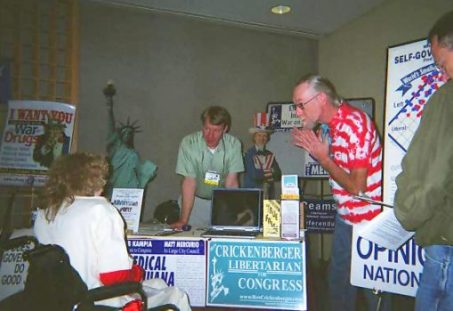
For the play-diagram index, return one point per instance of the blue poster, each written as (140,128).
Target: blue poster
(180,262)
(157,257)
(320,215)
(259,273)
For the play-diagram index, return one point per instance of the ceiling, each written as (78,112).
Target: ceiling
(309,18)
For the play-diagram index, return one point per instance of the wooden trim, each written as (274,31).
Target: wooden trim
(41,39)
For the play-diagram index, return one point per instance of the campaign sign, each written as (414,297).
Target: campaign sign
(320,215)
(179,262)
(13,271)
(312,168)
(283,116)
(129,202)
(256,273)
(386,270)
(35,134)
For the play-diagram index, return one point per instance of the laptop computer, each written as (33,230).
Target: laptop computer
(235,213)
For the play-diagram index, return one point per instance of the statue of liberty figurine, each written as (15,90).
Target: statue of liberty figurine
(127,169)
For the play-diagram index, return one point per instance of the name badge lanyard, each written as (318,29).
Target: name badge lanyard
(212,176)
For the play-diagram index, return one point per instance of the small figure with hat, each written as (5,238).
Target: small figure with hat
(261,168)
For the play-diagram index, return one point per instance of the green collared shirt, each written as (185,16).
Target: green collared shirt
(195,160)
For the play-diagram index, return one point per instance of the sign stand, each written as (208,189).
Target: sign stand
(321,195)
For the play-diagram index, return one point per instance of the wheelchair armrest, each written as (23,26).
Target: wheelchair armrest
(110,291)
(18,242)
(166,307)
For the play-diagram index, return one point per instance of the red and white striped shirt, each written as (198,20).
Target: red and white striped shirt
(356,144)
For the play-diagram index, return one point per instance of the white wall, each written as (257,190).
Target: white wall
(354,57)
(167,69)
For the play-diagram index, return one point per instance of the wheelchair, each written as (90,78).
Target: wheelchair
(53,284)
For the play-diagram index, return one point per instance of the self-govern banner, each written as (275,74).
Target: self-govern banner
(179,262)
(35,133)
(261,274)
(412,78)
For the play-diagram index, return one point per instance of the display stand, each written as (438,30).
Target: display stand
(315,189)
(321,194)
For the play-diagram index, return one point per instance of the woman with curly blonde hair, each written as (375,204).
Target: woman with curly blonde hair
(91,230)
(79,174)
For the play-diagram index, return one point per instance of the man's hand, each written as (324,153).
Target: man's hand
(178,225)
(268,175)
(188,187)
(353,182)
(314,144)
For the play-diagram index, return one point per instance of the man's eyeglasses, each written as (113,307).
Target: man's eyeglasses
(302,105)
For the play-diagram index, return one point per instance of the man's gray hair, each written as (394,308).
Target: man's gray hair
(443,31)
(322,85)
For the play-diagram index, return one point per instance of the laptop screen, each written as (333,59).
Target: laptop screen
(236,208)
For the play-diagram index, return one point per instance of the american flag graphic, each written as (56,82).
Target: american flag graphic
(264,162)
(260,119)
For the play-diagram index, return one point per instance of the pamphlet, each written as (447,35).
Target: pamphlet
(129,202)
(385,230)
(290,219)
(271,218)
(290,187)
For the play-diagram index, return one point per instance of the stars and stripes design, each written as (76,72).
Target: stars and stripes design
(263,161)
(356,144)
(260,119)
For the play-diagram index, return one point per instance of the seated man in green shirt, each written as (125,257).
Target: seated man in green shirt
(207,159)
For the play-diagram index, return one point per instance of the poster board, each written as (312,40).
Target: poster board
(291,159)
(412,78)
(35,133)
(13,267)
(13,271)
(386,270)
(320,215)
(129,202)
(365,104)
(180,262)
(260,274)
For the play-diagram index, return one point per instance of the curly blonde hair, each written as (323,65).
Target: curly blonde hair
(71,175)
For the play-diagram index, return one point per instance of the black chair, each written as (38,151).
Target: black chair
(53,284)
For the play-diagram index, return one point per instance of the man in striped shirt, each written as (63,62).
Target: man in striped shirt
(352,155)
